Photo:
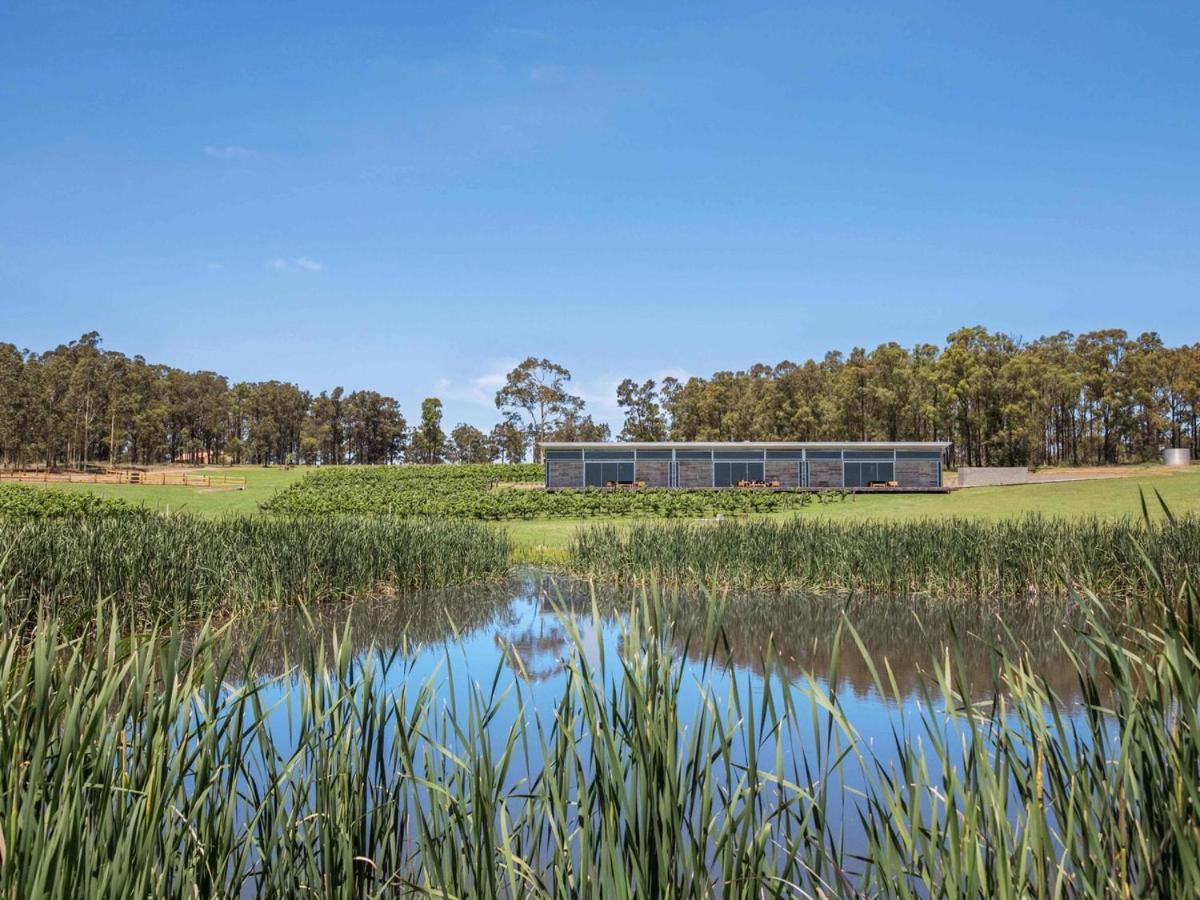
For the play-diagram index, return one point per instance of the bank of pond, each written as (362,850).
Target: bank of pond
(154,567)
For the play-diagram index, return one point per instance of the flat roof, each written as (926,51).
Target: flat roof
(745,445)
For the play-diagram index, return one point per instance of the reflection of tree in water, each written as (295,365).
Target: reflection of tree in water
(527,650)
(909,637)
(538,651)
(409,622)
(797,632)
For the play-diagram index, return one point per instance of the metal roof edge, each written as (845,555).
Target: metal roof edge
(736,445)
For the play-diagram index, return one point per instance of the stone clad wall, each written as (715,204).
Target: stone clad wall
(825,473)
(917,472)
(695,473)
(785,471)
(655,472)
(565,473)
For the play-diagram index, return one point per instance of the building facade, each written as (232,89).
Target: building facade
(773,465)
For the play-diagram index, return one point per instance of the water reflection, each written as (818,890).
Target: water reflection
(516,624)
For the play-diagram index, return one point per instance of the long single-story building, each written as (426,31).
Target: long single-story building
(772,465)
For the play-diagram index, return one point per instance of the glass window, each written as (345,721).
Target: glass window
(918,454)
(785,454)
(729,474)
(862,474)
(693,454)
(824,454)
(869,454)
(564,454)
(601,474)
(609,454)
(654,454)
(740,455)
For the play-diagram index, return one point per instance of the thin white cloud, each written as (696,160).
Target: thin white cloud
(479,390)
(215,266)
(525,35)
(295,264)
(493,380)
(547,73)
(228,152)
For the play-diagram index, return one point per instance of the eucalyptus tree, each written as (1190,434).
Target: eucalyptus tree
(510,439)
(470,445)
(644,419)
(536,390)
(428,443)
(575,427)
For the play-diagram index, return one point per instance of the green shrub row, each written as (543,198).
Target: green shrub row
(478,492)
(21,501)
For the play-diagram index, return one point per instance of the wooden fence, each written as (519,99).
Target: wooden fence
(128,476)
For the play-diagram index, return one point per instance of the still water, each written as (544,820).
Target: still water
(512,638)
(517,628)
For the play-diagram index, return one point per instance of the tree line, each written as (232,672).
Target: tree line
(79,405)
(1095,398)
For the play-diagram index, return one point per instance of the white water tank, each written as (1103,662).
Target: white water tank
(1181,456)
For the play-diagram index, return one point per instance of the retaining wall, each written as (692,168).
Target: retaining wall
(978,476)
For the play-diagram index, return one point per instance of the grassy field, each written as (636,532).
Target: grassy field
(533,539)
(261,484)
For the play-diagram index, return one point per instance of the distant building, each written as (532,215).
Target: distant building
(769,465)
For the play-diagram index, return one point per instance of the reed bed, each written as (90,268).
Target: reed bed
(940,557)
(134,769)
(150,568)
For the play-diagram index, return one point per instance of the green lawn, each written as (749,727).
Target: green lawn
(538,538)
(1108,498)
(261,484)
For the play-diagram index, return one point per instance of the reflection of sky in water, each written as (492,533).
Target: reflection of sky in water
(515,625)
(509,638)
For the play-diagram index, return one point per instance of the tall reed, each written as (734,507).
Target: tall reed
(1020,557)
(151,568)
(134,769)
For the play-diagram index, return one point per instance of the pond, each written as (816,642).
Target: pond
(470,700)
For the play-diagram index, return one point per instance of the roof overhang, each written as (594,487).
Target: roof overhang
(745,445)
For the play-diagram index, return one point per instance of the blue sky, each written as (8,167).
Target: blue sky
(414,197)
